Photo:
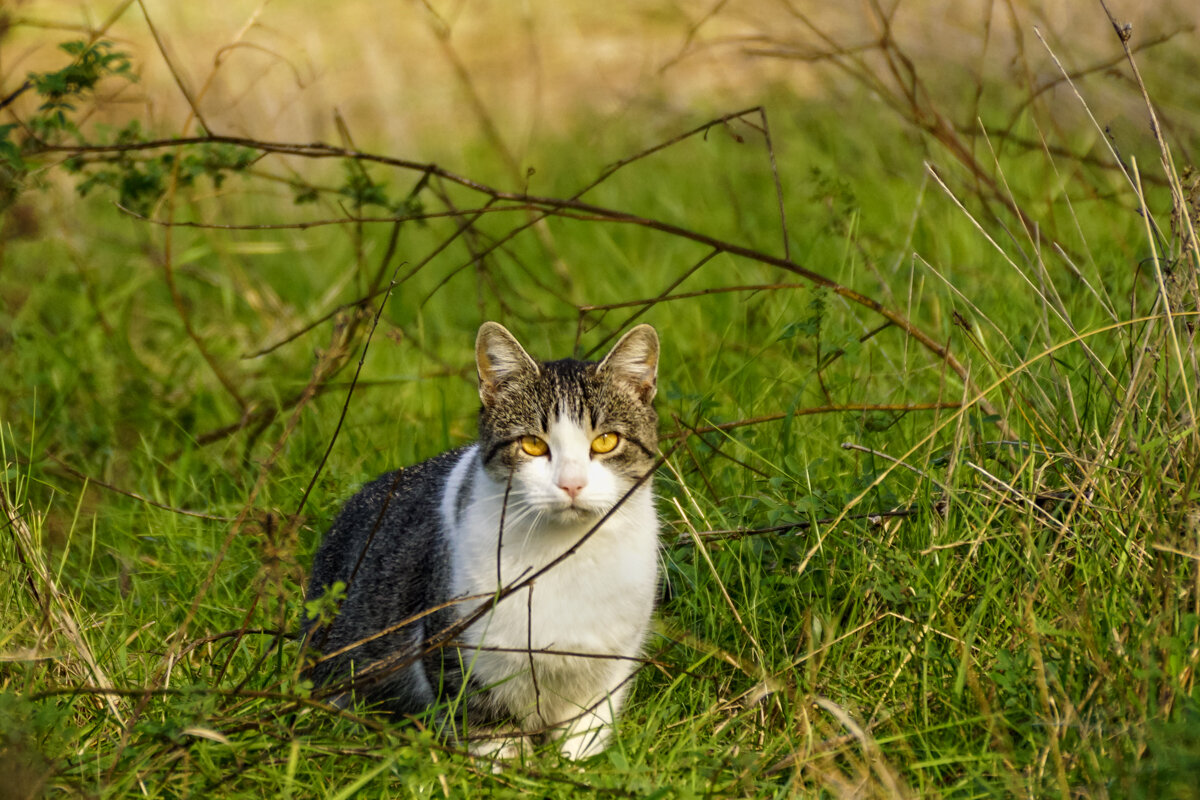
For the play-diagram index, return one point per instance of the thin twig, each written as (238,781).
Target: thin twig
(141,498)
(557,206)
(733,534)
(804,412)
(905,464)
(362,358)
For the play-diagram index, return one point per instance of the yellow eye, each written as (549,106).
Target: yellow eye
(534,446)
(605,442)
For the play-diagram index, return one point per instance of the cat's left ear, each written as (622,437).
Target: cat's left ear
(634,359)
(499,357)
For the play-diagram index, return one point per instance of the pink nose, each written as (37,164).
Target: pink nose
(572,488)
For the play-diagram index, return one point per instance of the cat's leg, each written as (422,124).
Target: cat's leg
(505,745)
(588,730)
(491,731)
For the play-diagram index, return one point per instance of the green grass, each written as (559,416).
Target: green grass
(1029,626)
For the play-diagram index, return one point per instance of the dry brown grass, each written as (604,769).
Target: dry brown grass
(405,77)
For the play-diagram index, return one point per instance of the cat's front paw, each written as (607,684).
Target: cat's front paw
(501,749)
(578,744)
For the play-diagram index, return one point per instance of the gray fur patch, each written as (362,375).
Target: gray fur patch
(464,494)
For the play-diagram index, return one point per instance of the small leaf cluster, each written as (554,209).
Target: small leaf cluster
(140,181)
(10,152)
(360,188)
(62,89)
(362,191)
(323,609)
(835,193)
(809,326)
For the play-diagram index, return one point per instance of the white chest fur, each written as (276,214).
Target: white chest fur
(596,602)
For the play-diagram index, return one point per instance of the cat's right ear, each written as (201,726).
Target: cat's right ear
(634,359)
(499,357)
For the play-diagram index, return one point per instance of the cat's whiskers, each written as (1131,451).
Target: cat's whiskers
(530,529)
(516,522)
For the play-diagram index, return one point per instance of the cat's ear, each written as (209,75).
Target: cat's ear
(634,359)
(499,357)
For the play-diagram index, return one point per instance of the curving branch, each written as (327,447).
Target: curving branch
(571,207)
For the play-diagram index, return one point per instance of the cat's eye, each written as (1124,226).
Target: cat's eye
(534,446)
(605,442)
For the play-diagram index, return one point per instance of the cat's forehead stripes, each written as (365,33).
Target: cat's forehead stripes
(572,389)
(566,388)
(568,391)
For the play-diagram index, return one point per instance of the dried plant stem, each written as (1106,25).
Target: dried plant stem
(803,412)
(1039,675)
(53,603)
(1176,350)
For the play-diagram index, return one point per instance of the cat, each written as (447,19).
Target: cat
(553,503)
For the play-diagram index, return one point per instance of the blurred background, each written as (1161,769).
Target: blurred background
(427,79)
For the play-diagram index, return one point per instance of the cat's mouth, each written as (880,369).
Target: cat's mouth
(577,511)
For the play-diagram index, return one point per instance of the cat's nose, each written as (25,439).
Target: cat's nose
(572,487)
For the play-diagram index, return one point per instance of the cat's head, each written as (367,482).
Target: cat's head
(573,435)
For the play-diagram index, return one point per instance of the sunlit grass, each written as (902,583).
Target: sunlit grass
(1026,623)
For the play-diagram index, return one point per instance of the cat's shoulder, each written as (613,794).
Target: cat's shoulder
(415,489)
(429,474)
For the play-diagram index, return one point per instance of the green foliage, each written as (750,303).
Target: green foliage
(62,90)
(29,732)
(90,63)
(359,187)
(10,153)
(322,610)
(363,191)
(1032,591)
(810,325)
(1174,745)
(140,181)
(833,192)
